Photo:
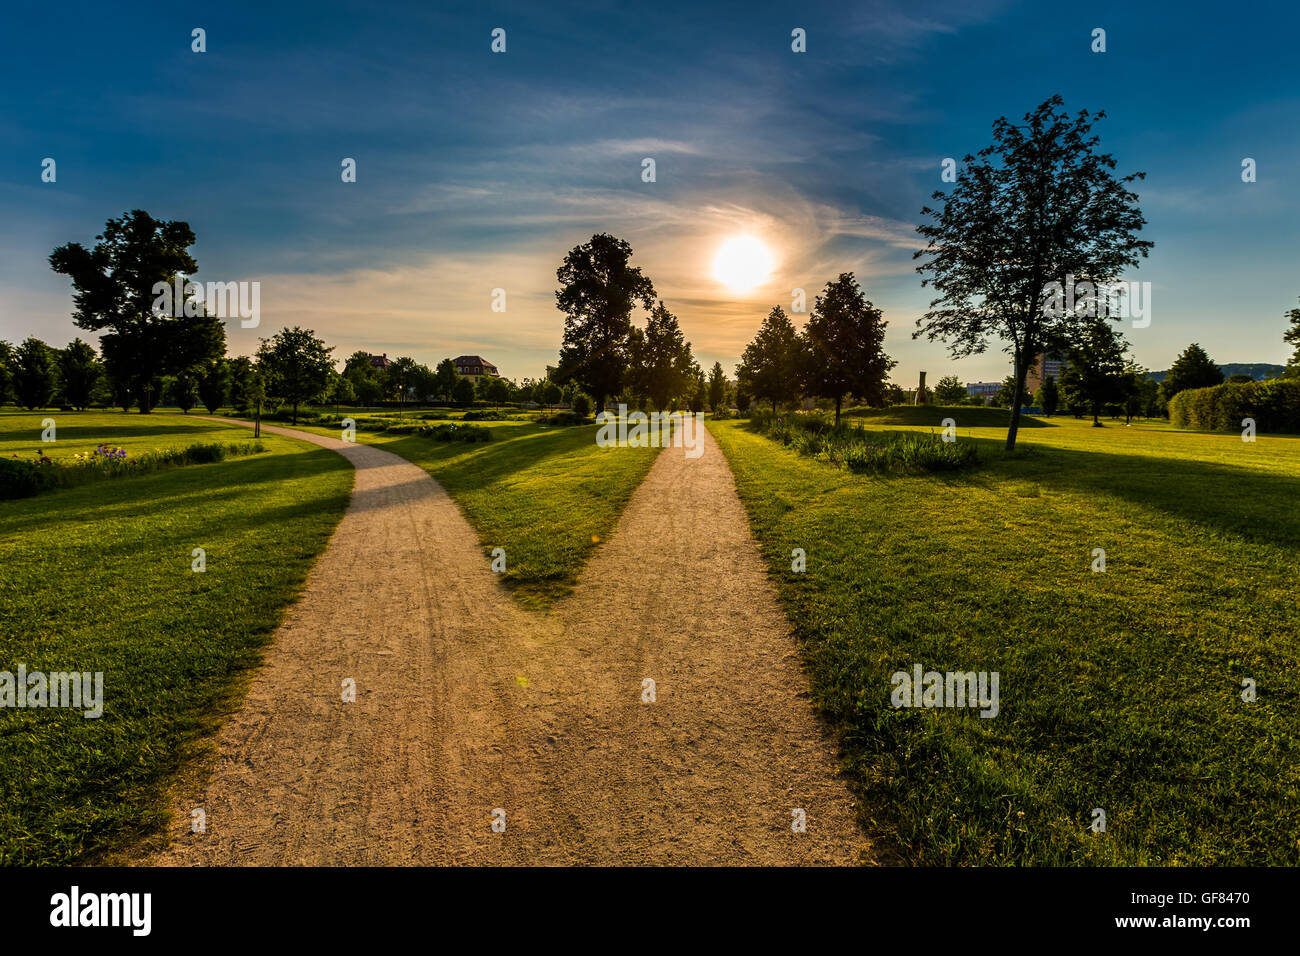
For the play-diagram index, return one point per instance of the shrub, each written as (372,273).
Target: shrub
(562,419)
(22,479)
(1274,405)
(474,415)
(854,448)
(581,405)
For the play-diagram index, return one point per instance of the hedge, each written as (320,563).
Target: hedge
(1274,405)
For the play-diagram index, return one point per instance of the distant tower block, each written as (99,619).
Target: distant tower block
(921,397)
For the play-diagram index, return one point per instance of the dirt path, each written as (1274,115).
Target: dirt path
(466,703)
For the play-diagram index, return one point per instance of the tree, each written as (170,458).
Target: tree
(662,366)
(463,393)
(1193,369)
(717,387)
(6,372)
(598,289)
(770,365)
(498,390)
(551,393)
(35,374)
(402,375)
(1095,373)
(1292,337)
(844,350)
(1137,389)
(115,285)
(214,385)
(949,391)
(296,366)
(1049,396)
(445,379)
(185,391)
(1050,210)
(80,371)
(1006,394)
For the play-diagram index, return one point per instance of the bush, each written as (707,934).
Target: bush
(854,448)
(581,405)
(22,479)
(484,416)
(1274,405)
(562,419)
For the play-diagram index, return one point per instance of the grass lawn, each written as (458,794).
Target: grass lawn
(546,495)
(1118,690)
(98,578)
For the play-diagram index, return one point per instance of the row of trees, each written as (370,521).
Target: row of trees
(839,354)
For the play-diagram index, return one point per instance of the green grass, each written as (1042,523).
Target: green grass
(549,496)
(1119,690)
(98,578)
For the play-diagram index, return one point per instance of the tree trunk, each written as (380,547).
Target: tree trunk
(1016,398)
(257,422)
(774,408)
(295,413)
(838,400)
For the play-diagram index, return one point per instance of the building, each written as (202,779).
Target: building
(380,362)
(983,389)
(1042,367)
(474,367)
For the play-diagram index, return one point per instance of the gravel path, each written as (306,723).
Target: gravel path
(467,704)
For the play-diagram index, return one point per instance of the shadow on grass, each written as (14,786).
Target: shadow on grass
(1238,502)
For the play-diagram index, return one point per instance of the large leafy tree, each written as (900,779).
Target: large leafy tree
(845,338)
(114,283)
(1038,205)
(36,374)
(662,363)
(1193,369)
(770,365)
(1095,375)
(598,290)
(80,371)
(296,366)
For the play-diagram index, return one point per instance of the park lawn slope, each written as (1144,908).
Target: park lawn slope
(98,578)
(547,495)
(1118,690)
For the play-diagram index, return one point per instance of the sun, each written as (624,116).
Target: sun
(742,263)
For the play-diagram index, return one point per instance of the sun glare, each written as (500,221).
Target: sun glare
(742,263)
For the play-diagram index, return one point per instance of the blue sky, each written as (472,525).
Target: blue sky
(478,171)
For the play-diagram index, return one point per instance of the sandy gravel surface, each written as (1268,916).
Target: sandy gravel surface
(468,704)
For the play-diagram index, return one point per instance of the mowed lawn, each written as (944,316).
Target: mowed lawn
(1118,690)
(549,496)
(98,578)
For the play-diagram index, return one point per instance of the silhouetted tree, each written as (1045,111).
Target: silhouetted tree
(598,290)
(1048,208)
